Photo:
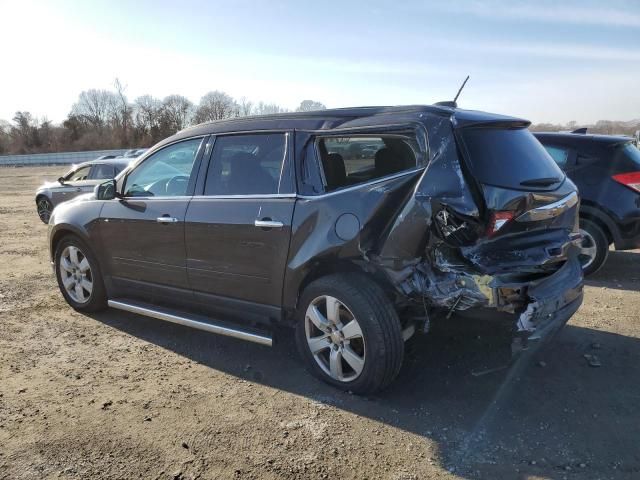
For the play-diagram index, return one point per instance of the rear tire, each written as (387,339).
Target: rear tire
(358,347)
(79,276)
(594,248)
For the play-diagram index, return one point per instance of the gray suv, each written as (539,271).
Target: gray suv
(356,227)
(80,179)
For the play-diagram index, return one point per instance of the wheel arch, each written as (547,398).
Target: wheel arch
(601,219)
(42,195)
(61,231)
(327,267)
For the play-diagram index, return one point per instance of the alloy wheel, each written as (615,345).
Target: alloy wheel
(588,249)
(335,339)
(44,210)
(76,275)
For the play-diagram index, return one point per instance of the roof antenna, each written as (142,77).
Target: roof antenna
(459,91)
(453,103)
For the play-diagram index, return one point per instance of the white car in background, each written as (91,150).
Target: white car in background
(80,179)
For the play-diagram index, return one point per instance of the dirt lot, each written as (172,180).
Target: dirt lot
(119,396)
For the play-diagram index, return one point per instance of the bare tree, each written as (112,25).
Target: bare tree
(216,105)
(310,105)
(24,132)
(245,107)
(268,108)
(147,113)
(177,112)
(5,138)
(95,107)
(121,114)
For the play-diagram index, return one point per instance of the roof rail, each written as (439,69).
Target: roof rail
(581,131)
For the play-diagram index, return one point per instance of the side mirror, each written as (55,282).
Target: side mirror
(106,190)
(61,180)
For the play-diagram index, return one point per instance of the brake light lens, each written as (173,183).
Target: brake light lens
(631,180)
(499,220)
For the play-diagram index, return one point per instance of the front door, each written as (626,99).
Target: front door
(142,233)
(237,232)
(76,183)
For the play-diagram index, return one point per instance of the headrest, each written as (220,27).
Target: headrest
(385,162)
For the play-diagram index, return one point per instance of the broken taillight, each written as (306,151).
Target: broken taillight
(499,220)
(631,180)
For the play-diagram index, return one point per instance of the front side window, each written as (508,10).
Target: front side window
(559,155)
(246,164)
(350,160)
(79,174)
(102,171)
(165,173)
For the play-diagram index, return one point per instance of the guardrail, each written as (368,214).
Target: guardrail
(61,158)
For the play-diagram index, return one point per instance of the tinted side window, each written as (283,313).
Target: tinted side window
(79,174)
(559,155)
(165,173)
(350,160)
(102,171)
(246,164)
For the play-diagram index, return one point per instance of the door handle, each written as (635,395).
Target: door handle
(268,223)
(166,219)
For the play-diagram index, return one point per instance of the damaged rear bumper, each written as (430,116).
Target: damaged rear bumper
(553,301)
(533,304)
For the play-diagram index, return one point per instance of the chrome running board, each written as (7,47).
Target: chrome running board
(192,321)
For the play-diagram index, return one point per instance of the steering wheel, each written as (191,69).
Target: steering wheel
(177,185)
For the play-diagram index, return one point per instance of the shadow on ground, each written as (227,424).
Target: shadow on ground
(549,415)
(620,272)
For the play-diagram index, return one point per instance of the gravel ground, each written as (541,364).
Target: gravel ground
(115,395)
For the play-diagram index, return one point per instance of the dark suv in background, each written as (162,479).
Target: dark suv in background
(606,170)
(358,227)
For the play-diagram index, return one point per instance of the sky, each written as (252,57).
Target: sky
(541,60)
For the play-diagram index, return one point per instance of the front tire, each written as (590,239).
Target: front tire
(595,247)
(44,207)
(349,334)
(79,276)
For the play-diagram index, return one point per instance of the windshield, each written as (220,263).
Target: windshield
(510,158)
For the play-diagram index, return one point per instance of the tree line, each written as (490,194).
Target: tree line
(106,119)
(605,127)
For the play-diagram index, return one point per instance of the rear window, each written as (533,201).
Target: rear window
(559,155)
(508,157)
(627,156)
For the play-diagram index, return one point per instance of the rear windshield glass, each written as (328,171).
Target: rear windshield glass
(509,157)
(627,153)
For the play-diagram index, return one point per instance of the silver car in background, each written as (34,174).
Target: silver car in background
(80,179)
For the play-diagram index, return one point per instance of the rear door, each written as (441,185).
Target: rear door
(142,233)
(238,228)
